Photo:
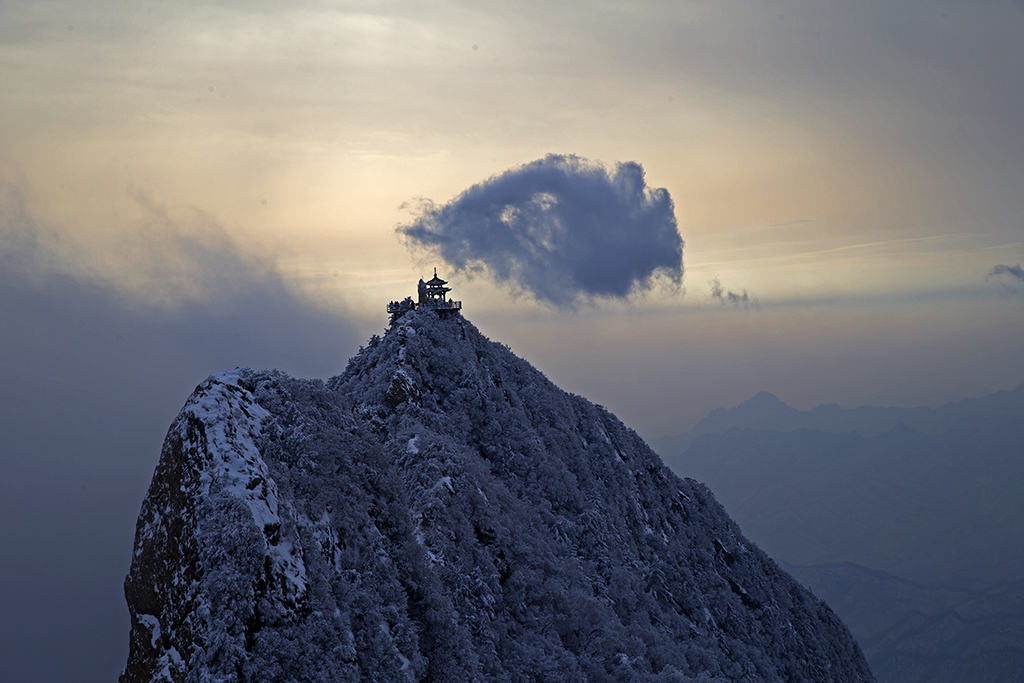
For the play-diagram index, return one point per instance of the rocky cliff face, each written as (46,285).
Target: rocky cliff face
(442,512)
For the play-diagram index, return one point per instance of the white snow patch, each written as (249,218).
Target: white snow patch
(168,659)
(418,533)
(443,482)
(386,630)
(233,421)
(153,624)
(411,446)
(434,557)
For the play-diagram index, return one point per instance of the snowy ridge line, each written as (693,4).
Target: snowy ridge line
(233,421)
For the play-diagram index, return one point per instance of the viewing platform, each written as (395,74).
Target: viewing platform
(431,295)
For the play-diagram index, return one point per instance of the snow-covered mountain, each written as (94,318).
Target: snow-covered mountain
(443,512)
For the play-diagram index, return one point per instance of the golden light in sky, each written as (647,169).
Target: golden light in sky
(818,155)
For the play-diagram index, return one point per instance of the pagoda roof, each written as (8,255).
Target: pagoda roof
(436,280)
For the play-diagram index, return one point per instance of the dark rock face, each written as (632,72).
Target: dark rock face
(442,512)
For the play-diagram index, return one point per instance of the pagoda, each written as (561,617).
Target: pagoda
(431,295)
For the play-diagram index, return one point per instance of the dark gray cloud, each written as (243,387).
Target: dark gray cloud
(90,379)
(740,299)
(562,228)
(1015,272)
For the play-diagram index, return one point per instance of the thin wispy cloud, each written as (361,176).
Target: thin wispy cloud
(1013,272)
(728,297)
(561,228)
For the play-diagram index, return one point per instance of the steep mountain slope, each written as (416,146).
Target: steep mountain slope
(442,512)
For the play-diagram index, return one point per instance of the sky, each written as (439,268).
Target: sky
(187,187)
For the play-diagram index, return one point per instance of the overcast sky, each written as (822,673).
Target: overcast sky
(186,187)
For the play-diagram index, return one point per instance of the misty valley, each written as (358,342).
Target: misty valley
(908,522)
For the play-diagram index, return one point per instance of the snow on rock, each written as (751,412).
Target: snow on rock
(232,422)
(211,474)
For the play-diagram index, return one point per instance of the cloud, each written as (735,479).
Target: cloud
(741,299)
(1015,272)
(91,375)
(563,228)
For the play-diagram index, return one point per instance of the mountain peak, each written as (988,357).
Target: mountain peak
(764,399)
(762,411)
(442,511)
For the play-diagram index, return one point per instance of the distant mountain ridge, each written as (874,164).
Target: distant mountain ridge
(767,411)
(442,512)
(925,506)
(908,521)
(926,633)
